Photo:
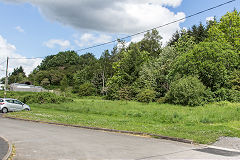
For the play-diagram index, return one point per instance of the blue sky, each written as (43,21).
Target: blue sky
(37,29)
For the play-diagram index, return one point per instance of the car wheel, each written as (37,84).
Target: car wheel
(4,110)
(26,109)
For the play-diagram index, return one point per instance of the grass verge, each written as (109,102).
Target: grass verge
(203,124)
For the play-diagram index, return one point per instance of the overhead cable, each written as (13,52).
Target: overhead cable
(132,35)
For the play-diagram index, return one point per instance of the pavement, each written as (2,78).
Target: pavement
(39,141)
(3,148)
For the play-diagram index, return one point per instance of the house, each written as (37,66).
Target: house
(26,88)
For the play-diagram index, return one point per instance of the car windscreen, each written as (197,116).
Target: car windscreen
(1,100)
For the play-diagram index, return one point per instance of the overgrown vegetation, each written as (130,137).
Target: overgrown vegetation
(204,124)
(148,71)
(39,98)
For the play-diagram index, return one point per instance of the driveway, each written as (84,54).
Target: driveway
(37,141)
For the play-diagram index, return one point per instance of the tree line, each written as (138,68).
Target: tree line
(197,66)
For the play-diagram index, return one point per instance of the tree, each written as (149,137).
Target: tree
(154,73)
(105,62)
(227,30)
(64,84)
(126,70)
(213,62)
(45,82)
(151,43)
(17,76)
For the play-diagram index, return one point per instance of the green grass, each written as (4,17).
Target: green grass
(202,124)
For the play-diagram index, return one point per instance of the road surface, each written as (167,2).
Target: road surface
(38,141)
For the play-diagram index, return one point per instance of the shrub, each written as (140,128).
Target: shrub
(87,89)
(146,95)
(44,97)
(187,91)
(230,95)
(126,93)
(161,100)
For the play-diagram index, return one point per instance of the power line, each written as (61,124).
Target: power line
(132,35)
(2,62)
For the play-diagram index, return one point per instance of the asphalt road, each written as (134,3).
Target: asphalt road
(3,148)
(37,141)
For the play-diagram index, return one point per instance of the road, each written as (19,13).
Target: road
(38,141)
(3,148)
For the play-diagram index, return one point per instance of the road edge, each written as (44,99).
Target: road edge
(109,130)
(9,148)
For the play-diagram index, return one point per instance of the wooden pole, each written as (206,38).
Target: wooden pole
(6,80)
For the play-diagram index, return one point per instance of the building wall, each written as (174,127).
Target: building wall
(25,88)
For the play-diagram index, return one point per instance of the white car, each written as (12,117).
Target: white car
(9,104)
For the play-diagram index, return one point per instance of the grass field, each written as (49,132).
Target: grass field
(203,124)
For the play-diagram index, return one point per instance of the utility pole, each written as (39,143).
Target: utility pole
(6,80)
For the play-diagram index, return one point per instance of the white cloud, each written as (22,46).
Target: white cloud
(9,50)
(19,29)
(52,43)
(89,39)
(209,19)
(111,16)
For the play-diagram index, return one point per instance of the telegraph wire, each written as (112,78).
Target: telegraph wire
(2,62)
(132,35)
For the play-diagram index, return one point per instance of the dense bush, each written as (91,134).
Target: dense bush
(187,91)
(230,95)
(87,89)
(44,97)
(126,93)
(146,95)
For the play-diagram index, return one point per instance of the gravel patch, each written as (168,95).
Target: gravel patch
(228,142)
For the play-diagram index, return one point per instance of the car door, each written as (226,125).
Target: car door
(18,105)
(11,105)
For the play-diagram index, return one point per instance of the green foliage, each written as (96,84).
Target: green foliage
(209,52)
(198,33)
(151,43)
(61,59)
(230,95)
(227,30)
(126,93)
(235,80)
(64,83)
(213,62)
(187,91)
(87,89)
(184,43)
(154,73)
(17,76)
(146,95)
(45,82)
(44,97)
(202,124)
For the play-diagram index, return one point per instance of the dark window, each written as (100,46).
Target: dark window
(10,101)
(17,102)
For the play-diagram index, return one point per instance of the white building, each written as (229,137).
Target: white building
(26,88)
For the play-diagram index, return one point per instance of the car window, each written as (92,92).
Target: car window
(1,100)
(10,101)
(17,102)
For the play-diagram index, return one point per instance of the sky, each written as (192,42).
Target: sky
(38,28)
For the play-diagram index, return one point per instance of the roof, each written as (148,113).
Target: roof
(8,98)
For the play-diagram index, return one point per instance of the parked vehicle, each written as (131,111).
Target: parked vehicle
(10,105)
